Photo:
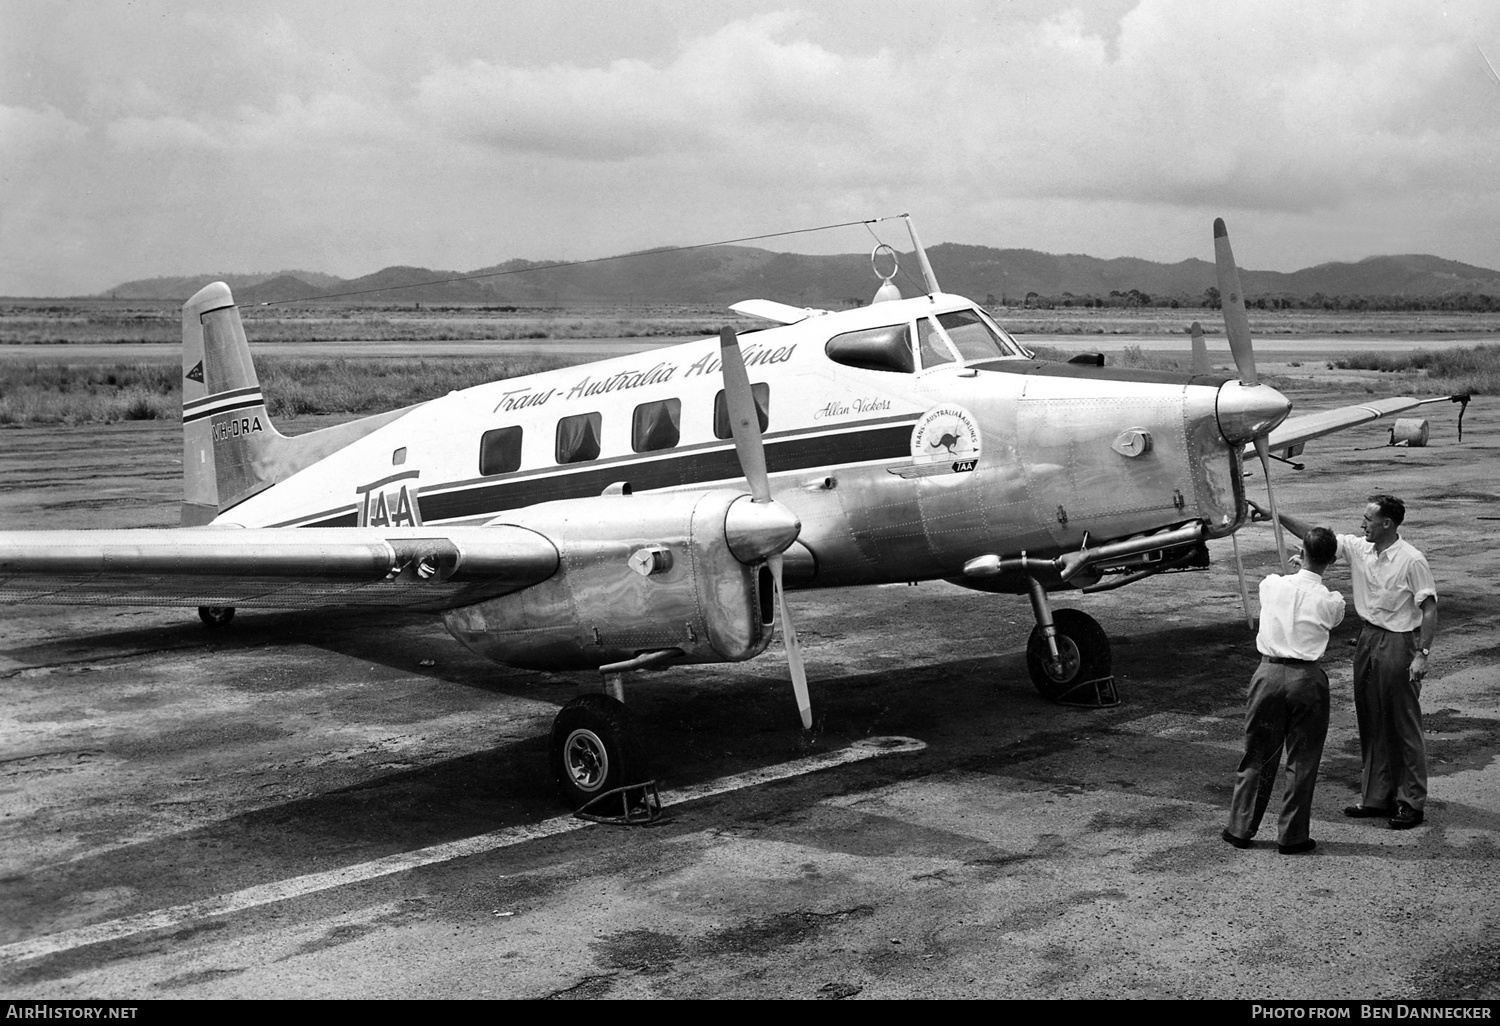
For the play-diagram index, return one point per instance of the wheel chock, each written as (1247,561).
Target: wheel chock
(639,805)
(1091,694)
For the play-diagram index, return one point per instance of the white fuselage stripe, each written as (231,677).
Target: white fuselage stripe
(313,883)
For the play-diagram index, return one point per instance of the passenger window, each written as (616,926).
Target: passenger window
(884,349)
(578,438)
(934,347)
(656,425)
(500,451)
(762,393)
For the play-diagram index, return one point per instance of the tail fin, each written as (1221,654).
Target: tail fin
(230,448)
(227,436)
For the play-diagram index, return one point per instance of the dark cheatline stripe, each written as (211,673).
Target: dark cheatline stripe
(784,455)
(188,418)
(217,397)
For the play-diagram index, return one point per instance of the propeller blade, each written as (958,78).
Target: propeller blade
(1263,450)
(1200,351)
(744,419)
(744,424)
(1239,568)
(1232,300)
(793,648)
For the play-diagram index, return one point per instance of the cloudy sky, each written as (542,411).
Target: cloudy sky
(166,137)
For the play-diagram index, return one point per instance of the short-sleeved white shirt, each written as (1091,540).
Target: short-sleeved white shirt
(1390,586)
(1296,614)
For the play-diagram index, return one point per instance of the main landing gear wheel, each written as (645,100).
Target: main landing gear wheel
(594,749)
(216,616)
(1084,650)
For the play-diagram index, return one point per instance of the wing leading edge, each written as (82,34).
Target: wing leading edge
(1296,431)
(272,567)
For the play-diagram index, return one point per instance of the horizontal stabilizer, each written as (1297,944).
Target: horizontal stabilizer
(770,310)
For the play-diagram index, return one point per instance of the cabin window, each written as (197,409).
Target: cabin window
(578,438)
(762,393)
(934,347)
(398,457)
(500,451)
(883,349)
(656,425)
(974,339)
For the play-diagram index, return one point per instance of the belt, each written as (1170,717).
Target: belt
(1282,661)
(1385,630)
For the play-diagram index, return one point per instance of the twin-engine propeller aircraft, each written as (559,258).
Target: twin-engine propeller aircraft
(647,510)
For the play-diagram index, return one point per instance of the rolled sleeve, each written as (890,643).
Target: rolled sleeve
(1419,579)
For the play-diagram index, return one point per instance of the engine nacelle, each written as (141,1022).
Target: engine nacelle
(636,574)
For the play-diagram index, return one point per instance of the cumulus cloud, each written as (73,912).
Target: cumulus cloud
(169,140)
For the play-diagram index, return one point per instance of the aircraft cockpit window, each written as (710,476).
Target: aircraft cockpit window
(578,438)
(975,338)
(656,425)
(500,451)
(883,349)
(934,348)
(762,393)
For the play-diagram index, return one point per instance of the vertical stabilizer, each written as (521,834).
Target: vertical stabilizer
(227,437)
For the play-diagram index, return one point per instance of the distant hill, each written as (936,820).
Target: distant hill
(180,288)
(726,274)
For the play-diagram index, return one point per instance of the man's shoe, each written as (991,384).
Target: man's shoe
(1406,817)
(1238,842)
(1366,812)
(1298,848)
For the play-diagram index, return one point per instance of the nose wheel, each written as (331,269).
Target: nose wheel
(1068,655)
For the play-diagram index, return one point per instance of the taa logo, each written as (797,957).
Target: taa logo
(390,502)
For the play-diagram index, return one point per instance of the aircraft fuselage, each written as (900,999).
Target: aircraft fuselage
(900,468)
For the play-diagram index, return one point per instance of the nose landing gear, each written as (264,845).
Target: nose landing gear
(1068,655)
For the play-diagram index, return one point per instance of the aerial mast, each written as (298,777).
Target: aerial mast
(928,276)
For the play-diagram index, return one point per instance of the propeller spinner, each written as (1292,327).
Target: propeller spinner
(744,424)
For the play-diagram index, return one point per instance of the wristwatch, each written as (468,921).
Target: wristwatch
(1424,651)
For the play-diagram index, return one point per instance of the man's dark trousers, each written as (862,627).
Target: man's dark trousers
(1387,704)
(1288,709)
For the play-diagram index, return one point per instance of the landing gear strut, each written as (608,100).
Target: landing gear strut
(1068,655)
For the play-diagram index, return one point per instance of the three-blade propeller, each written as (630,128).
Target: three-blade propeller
(744,425)
(1237,327)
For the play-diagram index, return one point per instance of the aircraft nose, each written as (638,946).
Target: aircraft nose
(1247,411)
(756,530)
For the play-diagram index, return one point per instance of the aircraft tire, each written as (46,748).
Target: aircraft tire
(1084,648)
(594,748)
(216,616)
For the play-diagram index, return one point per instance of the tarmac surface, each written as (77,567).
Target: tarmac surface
(355,806)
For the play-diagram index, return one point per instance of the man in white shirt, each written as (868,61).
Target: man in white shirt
(1396,598)
(1288,700)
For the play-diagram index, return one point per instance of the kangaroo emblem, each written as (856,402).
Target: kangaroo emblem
(947,441)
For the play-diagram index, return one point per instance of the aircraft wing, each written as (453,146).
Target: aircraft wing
(409,568)
(1295,431)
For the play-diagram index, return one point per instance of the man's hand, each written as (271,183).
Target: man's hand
(1257,514)
(1418,667)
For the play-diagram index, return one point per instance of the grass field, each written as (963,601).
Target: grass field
(62,394)
(108,321)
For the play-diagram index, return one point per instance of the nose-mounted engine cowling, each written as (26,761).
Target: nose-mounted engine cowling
(638,574)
